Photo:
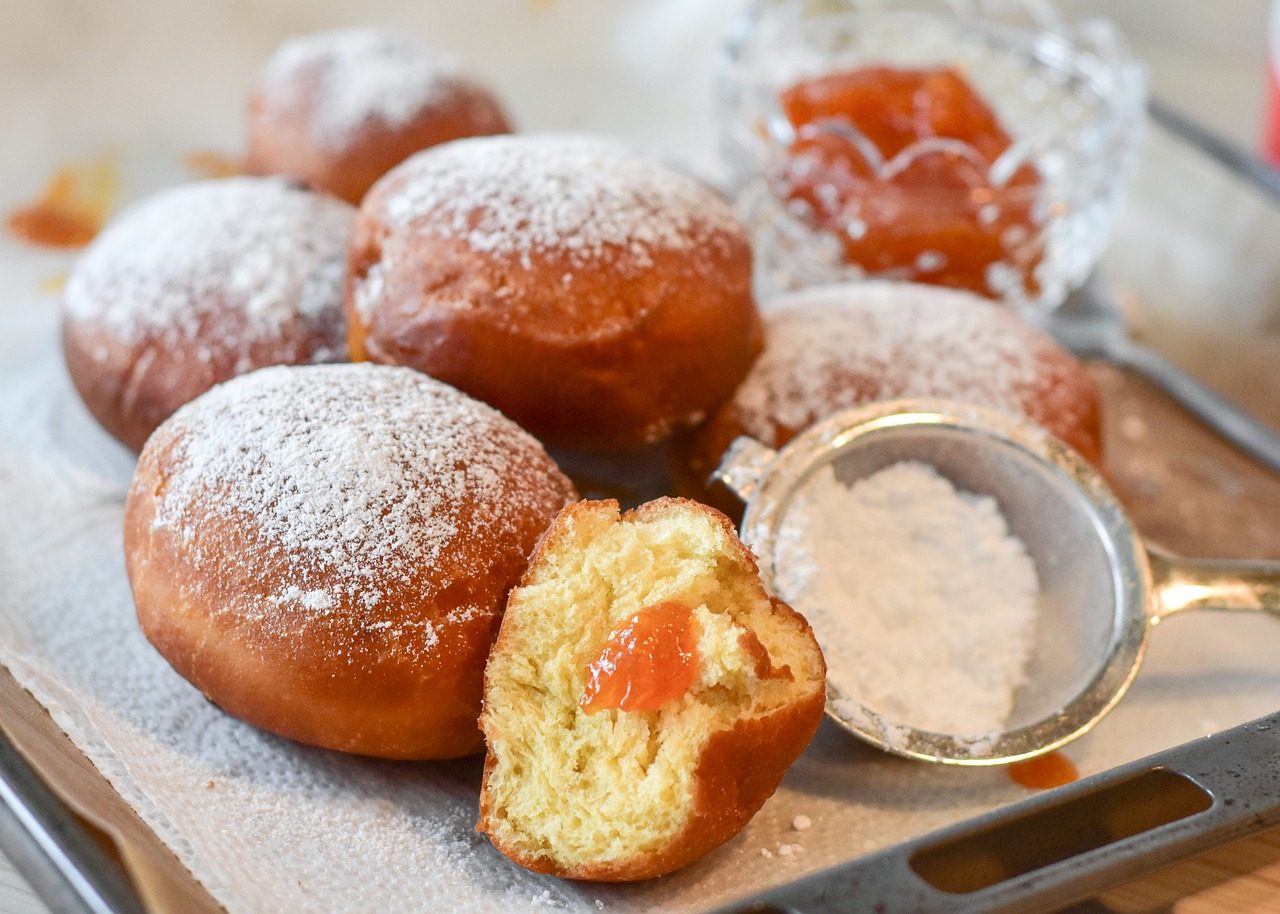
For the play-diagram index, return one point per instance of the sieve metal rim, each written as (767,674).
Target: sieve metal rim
(767,480)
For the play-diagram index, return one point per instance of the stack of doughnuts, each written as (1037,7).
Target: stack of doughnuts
(326,551)
(329,551)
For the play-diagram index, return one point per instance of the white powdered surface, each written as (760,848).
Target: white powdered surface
(357,476)
(829,347)
(363,74)
(524,193)
(245,255)
(923,601)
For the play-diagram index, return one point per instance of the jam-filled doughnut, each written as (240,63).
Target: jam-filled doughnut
(325,551)
(832,347)
(197,284)
(597,297)
(645,695)
(340,108)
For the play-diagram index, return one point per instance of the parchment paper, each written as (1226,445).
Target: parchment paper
(266,825)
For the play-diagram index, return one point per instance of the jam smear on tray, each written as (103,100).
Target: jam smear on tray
(210,163)
(646,662)
(897,164)
(71,209)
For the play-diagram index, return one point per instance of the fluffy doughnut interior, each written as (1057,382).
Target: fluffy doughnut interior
(618,794)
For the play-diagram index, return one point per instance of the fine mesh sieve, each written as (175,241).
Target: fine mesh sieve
(1102,589)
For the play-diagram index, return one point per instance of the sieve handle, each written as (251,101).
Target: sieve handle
(1180,584)
(743,465)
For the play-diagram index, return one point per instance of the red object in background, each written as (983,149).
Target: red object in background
(1271,117)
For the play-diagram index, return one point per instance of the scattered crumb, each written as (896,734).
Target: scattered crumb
(765,852)
(800,823)
(1133,427)
(211,785)
(786,850)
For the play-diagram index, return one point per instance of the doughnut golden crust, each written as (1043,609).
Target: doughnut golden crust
(197,284)
(599,299)
(616,793)
(325,552)
(831,347)
(339,109)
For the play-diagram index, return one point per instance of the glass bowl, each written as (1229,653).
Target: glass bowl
(1023,224)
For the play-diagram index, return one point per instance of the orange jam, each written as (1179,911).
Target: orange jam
(71,209)
(646,662)
(933,215)
(1044,771)
(209,163)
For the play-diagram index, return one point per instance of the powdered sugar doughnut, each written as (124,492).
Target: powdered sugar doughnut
(339,109)
(832,347)
(598,298)
(325,551)
(198,284)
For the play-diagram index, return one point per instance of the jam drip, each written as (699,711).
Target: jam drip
(646,662)
(1044,772)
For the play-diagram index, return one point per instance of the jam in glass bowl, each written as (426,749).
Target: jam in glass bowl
(982,145)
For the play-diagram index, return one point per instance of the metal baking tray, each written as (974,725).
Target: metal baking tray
(1073,842)
(1043,853)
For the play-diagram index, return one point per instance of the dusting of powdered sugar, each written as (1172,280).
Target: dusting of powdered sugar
(515,195)
(356,477)
(248,256)
(832,347)
(923,601)
(367,73)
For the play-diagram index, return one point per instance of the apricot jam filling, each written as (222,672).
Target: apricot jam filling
(647,661)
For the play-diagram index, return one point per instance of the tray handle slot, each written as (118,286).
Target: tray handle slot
(1064,845)
(1075,826)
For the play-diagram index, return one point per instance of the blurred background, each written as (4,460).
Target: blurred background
(1207,58)
(148,72)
